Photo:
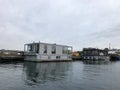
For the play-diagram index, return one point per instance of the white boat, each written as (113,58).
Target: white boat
(47,52)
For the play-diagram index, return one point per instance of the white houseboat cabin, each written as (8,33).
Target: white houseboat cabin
(47,52)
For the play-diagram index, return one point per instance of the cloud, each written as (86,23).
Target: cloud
(73,22)
(112,32)
(102,39)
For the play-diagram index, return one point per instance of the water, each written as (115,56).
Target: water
(60,76)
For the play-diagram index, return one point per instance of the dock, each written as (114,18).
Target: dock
(11,55)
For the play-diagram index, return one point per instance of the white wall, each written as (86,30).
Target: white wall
(41,49)
(59,50)
(49,49)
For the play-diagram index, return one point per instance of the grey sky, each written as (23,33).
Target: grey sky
(79,23)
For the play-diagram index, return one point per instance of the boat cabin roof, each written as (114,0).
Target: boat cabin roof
(47,44)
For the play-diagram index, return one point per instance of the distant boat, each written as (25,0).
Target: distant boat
(94,54)
(115,57)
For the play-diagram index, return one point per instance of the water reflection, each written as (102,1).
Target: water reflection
(60,76)
(95,62)
(44,72)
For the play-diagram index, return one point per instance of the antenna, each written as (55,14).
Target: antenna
(109,46)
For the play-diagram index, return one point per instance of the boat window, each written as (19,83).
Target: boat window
(65,50)
(33,48)
(30,48)
(45,48)
(37,48)
(57,57)
(53,50)
(69,50)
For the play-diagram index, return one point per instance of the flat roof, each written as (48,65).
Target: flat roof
(91,49)
(48,44)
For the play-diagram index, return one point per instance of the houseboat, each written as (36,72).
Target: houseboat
(47,52)
(94,54)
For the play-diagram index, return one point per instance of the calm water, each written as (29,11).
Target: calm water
(60,76)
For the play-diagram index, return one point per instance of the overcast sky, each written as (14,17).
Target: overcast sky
(78,23)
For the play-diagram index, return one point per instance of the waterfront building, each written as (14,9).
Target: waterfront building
(75,54)
(47,52)
(95,54)
(114,51)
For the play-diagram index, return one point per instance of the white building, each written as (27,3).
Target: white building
(113,51)
(47,52)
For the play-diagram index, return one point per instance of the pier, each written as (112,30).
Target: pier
(11,55)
